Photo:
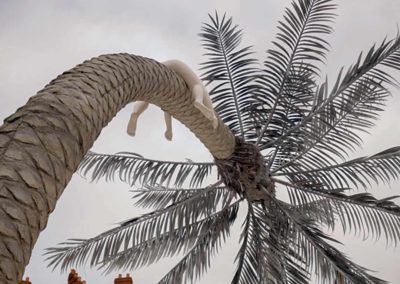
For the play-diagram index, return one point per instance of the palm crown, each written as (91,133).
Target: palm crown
(293,134)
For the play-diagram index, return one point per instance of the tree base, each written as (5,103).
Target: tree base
(245,172)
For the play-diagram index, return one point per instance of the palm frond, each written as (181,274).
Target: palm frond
(291,68)
(381,167)
(231,71)
(351,106)
(317,209)
(135,254)
(198,259)
(134,231)
(249,256)
(359,213)
(336,131)
(285,263)
(134,169)
(158,197)
(263,256)
(298,88)
(327,261)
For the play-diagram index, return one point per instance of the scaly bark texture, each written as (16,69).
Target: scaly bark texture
(42,144)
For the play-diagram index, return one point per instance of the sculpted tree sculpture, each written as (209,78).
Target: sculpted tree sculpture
(278,129)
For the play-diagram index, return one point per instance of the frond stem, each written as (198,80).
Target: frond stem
(141,158)
(233,87)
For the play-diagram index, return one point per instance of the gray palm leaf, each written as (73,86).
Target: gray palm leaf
(304,130)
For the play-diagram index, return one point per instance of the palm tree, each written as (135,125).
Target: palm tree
(284,130)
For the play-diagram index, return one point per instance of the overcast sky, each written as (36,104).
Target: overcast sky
(41,39)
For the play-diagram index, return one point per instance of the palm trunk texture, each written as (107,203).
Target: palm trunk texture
(43,142)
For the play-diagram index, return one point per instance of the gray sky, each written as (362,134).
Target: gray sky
(41,39)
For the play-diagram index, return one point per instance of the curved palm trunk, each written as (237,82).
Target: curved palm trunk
(42,144)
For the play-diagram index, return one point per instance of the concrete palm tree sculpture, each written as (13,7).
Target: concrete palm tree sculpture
(278,128)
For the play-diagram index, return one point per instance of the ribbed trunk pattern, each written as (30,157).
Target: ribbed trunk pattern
(42,144)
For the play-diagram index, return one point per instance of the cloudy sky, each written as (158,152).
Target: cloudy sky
(41,39)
